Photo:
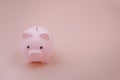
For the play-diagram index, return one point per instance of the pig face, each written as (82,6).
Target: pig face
(36,48)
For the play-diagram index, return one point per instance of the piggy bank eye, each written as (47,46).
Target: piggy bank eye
(28,47)
(41,47)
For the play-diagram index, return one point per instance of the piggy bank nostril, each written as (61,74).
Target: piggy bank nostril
(34,55)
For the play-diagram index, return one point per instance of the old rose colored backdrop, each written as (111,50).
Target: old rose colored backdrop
(86,39)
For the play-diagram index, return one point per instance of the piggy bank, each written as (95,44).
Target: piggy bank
(36,45)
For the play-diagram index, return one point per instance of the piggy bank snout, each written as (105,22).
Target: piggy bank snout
(35,54)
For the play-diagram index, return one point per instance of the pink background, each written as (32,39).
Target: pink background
(86,37)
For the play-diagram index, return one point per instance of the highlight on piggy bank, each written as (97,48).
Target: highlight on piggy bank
(36,45)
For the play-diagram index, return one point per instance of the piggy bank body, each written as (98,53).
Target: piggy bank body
(36,45)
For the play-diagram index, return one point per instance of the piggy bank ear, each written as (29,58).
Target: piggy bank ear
(44,36)
(26,35)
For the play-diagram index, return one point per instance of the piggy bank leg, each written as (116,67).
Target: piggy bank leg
(28,61)
(45,61)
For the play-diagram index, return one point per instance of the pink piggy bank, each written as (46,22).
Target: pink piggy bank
(36,45)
